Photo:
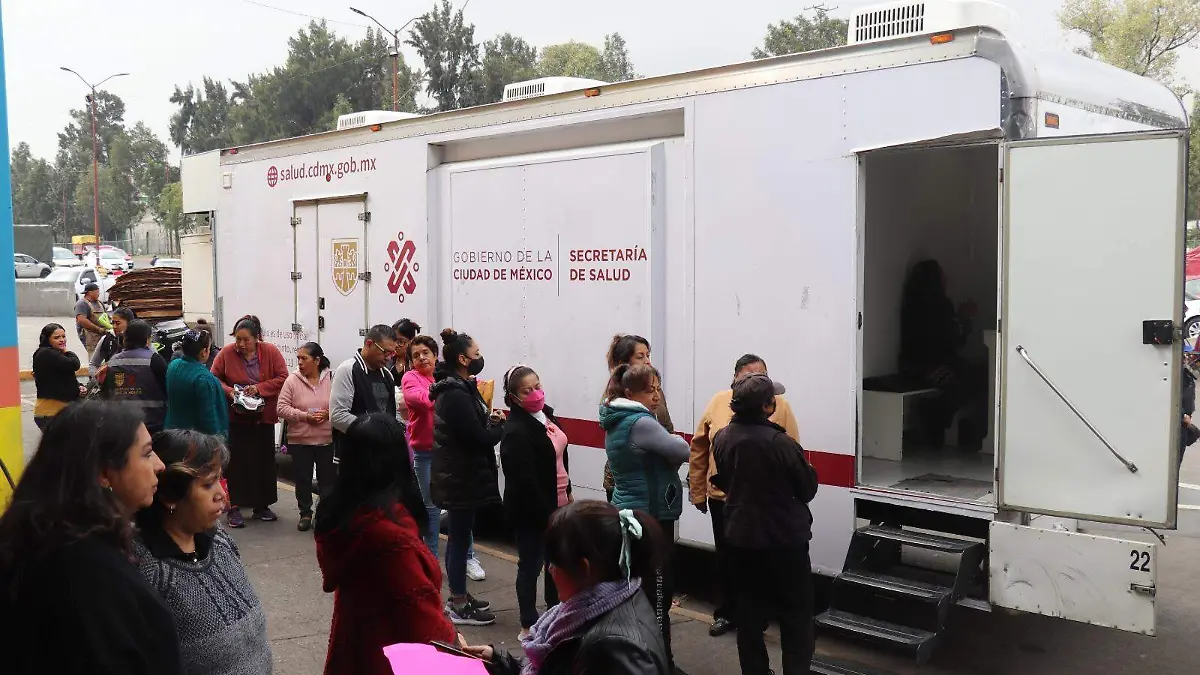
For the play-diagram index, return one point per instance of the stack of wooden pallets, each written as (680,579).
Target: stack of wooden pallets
(152,293)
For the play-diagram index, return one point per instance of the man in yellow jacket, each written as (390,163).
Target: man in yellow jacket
(708,499)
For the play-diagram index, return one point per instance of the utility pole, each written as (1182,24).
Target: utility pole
(395,54)
(91,99)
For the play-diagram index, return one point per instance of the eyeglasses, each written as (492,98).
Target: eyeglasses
(383,351)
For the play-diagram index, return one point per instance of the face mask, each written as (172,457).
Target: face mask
(535,401)
(476,366)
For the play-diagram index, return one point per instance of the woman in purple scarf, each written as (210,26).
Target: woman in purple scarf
(604,623)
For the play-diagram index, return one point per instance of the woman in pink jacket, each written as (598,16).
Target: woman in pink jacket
(304,403)
(422,355)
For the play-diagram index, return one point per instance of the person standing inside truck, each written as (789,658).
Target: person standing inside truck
(710,500)
(87,318)
(259,369)
(768,484)
(632,350)
(645,460)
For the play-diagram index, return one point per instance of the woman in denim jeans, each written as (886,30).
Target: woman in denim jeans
(415,383)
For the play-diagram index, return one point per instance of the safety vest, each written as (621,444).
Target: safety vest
(133,382)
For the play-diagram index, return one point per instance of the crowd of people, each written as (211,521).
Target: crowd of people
(127,490)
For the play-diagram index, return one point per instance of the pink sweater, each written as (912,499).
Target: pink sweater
(415,387)
(296,399)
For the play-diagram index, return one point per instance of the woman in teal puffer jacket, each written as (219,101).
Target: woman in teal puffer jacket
(645,460)
(195,399)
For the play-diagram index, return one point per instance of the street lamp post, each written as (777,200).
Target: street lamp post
(91,99)
(395,53)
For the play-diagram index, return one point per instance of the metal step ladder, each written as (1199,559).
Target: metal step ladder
(881,600)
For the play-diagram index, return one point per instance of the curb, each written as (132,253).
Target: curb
(28,374)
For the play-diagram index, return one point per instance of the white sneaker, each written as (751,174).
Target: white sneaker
(523,635)
(475,570)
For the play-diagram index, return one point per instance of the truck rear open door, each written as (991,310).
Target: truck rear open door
(1090,418)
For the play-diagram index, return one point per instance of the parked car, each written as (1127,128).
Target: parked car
(1191,319)
(29,267)
(112,259)
(168,262)
(128,258)
(63,257)
(80,277)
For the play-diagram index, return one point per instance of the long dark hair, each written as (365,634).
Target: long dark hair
(189,456)
(47,331)
(406,328)
(374,472)
(454,345)
(195,341)
(59,499)
(314,350)
(511,378)
(250,323)
(591,530)
(622,348)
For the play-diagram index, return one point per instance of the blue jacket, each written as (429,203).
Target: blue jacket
(195,399)
(642,480)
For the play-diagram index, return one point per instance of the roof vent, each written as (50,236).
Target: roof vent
(894,20)
(547,85)
(369,117)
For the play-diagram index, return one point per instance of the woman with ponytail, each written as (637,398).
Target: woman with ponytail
(599,558)
(645,460)
(304,403)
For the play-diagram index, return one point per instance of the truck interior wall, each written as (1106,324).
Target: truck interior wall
(924,204)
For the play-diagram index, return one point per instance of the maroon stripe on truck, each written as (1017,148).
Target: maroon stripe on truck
(832,469)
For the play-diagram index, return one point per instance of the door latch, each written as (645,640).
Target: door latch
(1158,332)
(1143,589)
(321,303)
(320,323)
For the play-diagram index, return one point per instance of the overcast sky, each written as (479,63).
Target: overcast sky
(231,38)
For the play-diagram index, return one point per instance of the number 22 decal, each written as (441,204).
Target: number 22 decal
(1141,561)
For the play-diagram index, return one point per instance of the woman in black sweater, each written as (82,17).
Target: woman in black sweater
(71,600)
(54,373)
(533,452)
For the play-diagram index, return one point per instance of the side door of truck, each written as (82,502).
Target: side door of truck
(1091,357)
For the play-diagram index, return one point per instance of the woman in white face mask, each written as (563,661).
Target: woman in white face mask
(533,452)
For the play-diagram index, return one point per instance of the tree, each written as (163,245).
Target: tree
(202,122)
(168,212)
(1141,36)
(614,61)
(148,165)
(447,46)
(33,188)
(803,35)
(76,138)
(506,59)
(571,59)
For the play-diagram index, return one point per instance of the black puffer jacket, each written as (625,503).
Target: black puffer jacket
(464,474)
(530,469)
(626,641)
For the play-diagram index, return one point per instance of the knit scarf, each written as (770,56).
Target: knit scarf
(566,618)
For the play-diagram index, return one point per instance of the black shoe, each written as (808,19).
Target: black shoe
(721,627)
(305,524)
(481,605)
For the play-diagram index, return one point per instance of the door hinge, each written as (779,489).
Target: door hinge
(996,474)
(1000,326)
(295,221)
(1143,589)
(365,216)
(860,320)
(364,276)
(362,332)
(296,328)
(297,276)
(1001,174)
(320,323)
(320,303)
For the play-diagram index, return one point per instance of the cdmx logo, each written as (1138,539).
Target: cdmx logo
(272,176)
(402,281)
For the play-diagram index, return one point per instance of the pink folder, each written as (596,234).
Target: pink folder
(415,659)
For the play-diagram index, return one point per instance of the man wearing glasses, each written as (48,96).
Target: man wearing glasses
(364,384)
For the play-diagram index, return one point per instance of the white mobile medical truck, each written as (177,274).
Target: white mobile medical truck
(776,207)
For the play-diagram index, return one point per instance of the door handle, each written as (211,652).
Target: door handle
(320,323)
(1096,432)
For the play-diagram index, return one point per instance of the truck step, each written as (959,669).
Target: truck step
(923,540)
(883,633)
(821,666)
(897,586)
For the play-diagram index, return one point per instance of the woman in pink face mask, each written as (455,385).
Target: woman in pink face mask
(533,453)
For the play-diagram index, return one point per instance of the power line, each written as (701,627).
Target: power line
(307,16)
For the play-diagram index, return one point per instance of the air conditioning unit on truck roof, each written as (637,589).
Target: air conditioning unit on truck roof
(547,85)
(369,117)
(892,20)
